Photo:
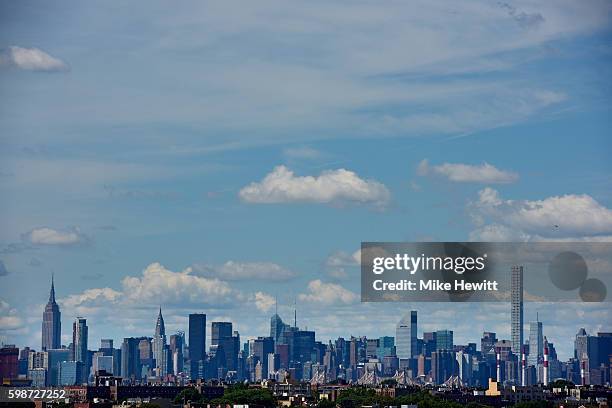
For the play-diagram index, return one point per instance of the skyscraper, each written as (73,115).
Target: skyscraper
(487,342)
(71,373)
(55,357)
(9,362)
(160,352)
(262,347)
(536,343)
(79,340)
(406,336)
(107,350)
(277,329)
(222,337)
(593,354)
(386,347)
(444,340)
(581,344)
(51,325)
(130,358)
(429,343)
(301,343)
(516,311)
(442,365)
(197,343)
(176,351)
(220,330)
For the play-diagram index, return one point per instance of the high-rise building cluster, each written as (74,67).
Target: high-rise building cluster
(289,352)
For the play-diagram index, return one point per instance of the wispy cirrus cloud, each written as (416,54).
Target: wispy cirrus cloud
(303,153)
(362,84)
(235,270)
(468,173)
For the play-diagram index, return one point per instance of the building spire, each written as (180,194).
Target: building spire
(52,292)
(160,329)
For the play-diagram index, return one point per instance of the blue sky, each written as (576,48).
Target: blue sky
(259,144)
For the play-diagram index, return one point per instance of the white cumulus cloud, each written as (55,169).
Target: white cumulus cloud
(161,285)
(568,216)
(338,263)
(327,294)
(342,258)
(263,301)
(331,187)
(468,173)
(31,59)
(157,285)
(51,236)
(9,318)
(93,297)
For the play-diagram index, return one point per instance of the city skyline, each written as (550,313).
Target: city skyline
(218,329)
(214,158)
(288,351)
(506,326)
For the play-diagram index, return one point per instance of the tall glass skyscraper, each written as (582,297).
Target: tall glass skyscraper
(444,340)
(52,324)
(197,344)
(278,329)
(536,343)
(219,331)
(516,311)
(79,339)
(406,336)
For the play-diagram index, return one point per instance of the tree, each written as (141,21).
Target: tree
(188,394)
(356,397)
(245,395)
(561,384)
(325,403)
(477,405)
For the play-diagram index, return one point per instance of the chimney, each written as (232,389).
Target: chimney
(523,368)
(545,362)
(498,367)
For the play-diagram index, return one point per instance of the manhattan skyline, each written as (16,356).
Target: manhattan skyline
(212,158)
(406,321)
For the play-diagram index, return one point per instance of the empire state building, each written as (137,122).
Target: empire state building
(51,325)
